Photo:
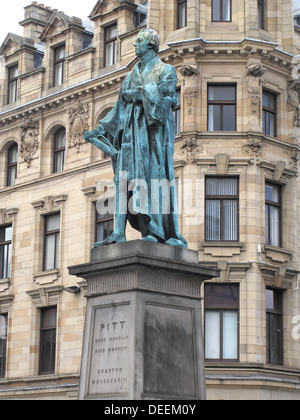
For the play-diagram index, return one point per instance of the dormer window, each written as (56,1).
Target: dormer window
(181,14)
(59,65)
(221,10)
(261,13)
(13,73)
(110,45)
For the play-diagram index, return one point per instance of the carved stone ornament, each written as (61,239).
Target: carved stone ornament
(29,140)
(77,124)
(189,150)
(293,99)
(190,72)
(254,149)
(254,71)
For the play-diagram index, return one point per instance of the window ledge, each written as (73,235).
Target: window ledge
(46,277)
(4,284)
(222,249)
(278,254)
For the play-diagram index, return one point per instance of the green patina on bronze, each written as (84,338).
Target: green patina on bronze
(138,134)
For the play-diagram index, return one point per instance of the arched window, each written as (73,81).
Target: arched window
(59,150)
(12,164)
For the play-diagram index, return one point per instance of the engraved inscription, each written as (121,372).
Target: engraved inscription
(110,351)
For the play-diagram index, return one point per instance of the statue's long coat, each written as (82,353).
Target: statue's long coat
(144,133)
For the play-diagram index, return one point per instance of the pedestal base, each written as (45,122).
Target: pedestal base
(143,332)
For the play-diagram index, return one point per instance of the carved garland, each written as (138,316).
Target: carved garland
(29,140)
(78,117)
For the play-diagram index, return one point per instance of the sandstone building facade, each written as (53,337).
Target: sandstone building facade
(236,162)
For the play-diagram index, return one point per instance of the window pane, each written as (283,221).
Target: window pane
(230,220)
(229,118)
(110,56)
(59,162)
(57,248)
(269,100)
(267,225)
(221,186)
(50,252)
(216,5)
(181,15)
(273,193)
(274,226)
(274,338)
(214,118)
(13,154)
(111,32)
(226,10)
(230,335)
(3,344)
(48,348)
(12,92)
(53,222)
(8,233)
(8,262)
(270,299)
(221,93)
(60,139)
(59,74)
(213,220)
(60,53)
(212,335)
(13,72)
(3,327)
(271,130)
(222,296)
(12,176)
(49,318)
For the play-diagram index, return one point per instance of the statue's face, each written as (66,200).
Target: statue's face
(141,45)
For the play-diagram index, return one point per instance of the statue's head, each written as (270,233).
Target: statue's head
(152,38)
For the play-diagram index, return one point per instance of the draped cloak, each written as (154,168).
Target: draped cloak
(143,133)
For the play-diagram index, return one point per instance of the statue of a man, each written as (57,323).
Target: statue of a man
(138,134)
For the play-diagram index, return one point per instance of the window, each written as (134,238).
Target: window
(269,114)
(51,242)
(261,14)
(273,215)
(59,65)
(274,327)
(86,40)
(5,251)
(13,74)
(12,164)
(221,11)
(177,112)
(48,340)
(104,226)
(59,150)
(139,18)
(222,209)
(221,108)
(110,46)
(181,13)
(3,344)
(221,322)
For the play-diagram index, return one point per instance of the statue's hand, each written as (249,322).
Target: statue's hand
(88,135)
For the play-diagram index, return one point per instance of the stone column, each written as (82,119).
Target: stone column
(143,333)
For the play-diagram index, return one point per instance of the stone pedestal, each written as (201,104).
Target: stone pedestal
(143,332)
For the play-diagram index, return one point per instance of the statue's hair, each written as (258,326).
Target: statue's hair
(152,38)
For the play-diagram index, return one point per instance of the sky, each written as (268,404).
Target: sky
(12,12)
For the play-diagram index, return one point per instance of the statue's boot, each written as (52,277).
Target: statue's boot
(112,239)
